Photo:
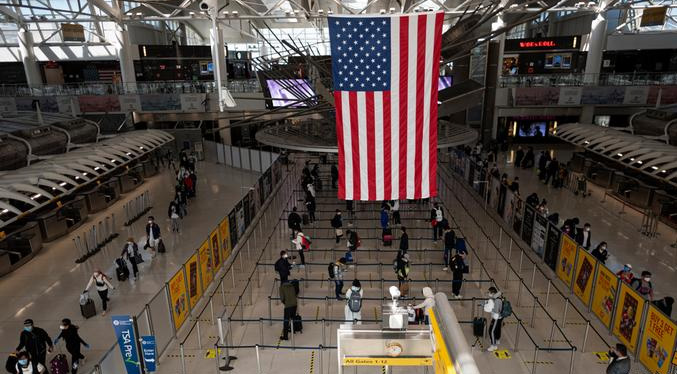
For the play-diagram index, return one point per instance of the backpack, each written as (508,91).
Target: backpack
(506,310)
(330,270)
(305,242)
(395,265)
(355,301)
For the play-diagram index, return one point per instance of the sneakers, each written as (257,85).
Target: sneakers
(492,348)
(498,342)
(459,296)
(445,268)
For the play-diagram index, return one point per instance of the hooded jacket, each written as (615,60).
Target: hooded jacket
(494,305)
(429,301)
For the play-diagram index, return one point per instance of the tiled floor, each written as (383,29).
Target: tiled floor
(48,287)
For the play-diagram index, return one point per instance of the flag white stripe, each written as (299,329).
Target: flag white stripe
(378,140)
(347,146)
(412,147)
(364,148)
(427,81)
(395,107)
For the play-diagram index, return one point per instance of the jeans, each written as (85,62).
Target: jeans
(104,299)
(339,288)
(447,253)
(289,314)
(437,231)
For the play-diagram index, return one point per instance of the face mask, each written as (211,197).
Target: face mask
(62,327)
(604,248)
(626,269)
(285,256)
(23,362)
(338,214)
(647,279)
(587,229)
(28,328)
(150,222)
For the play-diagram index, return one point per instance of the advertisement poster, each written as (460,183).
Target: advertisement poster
(252,206)
(216,251)
(149,351)
(67,104)
(539,233)
(224,236)
(126,336)
(192,272)
(604,298)
(509,208)
(628,317)
(232,223)
(567,257)
(177,294)
(570,95)
(241,208)
(585,272)
(130,103)
(99,103)
(193,102)
(525,96)
(657,342)
(160,102)
(528,224)
(206,270)
(636,95)
(552,246)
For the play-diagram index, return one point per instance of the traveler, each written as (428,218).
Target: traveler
(532,200)
(69,333)
(294,222)
(643,285)
(529,158)
(193,181)
(102,287)
(543,208)
(352,240)
(427,304)
(35,341)
(449,243)
(152,235)
(131,252)
(350,207)
(619,363)
(395,207)
(26,365)
(283,267)
(494,172)
(515,185)
(302,244)
(174,214)
(404,241)
(600,252)
(626,274)
(436,217)
(583,236)
(353,308)
(552,171)
(336,274)
(334,176)
(665,305)
(385,218)
(402,268)
(288,298)
(458,268)
(493,306)
(310,206)
(311,189)
(519,155)
(337,223)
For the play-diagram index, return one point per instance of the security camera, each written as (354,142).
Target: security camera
(204,5)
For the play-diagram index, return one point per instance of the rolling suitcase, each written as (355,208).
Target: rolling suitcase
(88,309)
(478,324)
(298,324)
(161,246)
(59,364)
(121,270)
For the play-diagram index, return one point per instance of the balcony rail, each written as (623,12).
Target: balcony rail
(582,79)
(105,88)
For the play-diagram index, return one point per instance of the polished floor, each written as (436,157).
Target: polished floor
(47,288)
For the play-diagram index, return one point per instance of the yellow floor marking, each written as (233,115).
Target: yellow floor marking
(502,354)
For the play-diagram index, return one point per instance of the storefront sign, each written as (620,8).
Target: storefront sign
(126,336)
(72,32)
(149,351)
(654,16)
(177,295)
(543,44)
(604,297)
(658,341)
(567,258)
(585,272)
(628,317)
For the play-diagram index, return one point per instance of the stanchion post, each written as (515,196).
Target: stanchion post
(533,367)
(585,337)
(547,294)
(552,331)
(270,311)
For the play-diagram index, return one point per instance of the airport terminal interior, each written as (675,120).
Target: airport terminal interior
(338,186)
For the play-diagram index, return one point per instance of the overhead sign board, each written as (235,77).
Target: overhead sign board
(72,32)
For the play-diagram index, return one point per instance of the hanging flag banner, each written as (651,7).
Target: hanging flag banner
(567,257)
(149,351)
(604,299)
(126,336)
(658,341)
(628,317)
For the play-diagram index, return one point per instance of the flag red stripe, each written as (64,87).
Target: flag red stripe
(404,63)
(420,73)
(371,144)
(341,150)
(355,134)
(387,156)
(439,20)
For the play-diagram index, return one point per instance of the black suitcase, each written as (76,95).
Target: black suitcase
(478,326)
(306,219)
(298,324)
(121,270)
(88,309)
(161,247)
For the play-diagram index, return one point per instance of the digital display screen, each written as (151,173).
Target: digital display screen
(287,90)
(444,82)
(532,129)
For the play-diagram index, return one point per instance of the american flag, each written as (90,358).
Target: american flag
(385,71)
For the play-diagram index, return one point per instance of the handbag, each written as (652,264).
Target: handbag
(339,232)
(466,269)
(138,259)
(434,222)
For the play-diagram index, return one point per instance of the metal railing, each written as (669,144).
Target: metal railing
(582,79)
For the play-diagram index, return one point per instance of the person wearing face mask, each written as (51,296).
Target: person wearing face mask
(353,308)
(152,235)
(27,366)
(457,271)
(600,252)
(626,274)
(69,333)
(337,223)
(619,363)
(102,287)
(283,267)
(36,342)
(402,270)
(427,304)
(643,285)
(583,236)
(494,306)
(131,253)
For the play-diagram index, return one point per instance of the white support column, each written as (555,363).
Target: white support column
(123,49)
(218,57)
(596,45)
(497,25)
(31,68)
